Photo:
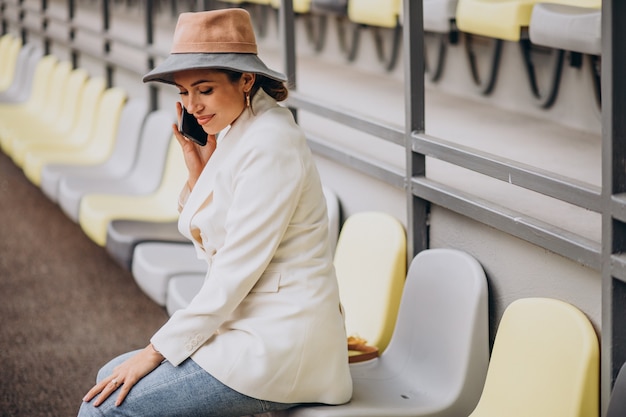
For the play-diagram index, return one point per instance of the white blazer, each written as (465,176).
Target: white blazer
(267,321)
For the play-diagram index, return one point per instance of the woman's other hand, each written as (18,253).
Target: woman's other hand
(125,375)
(196,156)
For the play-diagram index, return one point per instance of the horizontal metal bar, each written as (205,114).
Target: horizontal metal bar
(530,229)
(545,182)
(379,129)
(373,168)
(618,207)
(618,266)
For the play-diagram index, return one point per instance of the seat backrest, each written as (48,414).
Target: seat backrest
(152,152)
(107,120)
(299,6)
(9,62)
(544,363)
(41,80)
(69,106)
(88,104)
(591,4)
(337,7)
(442,331)
(374,12)
(127,138)
(370,260)
(617,402)
(175,175)
(333,206)
(56,91)
(22,65)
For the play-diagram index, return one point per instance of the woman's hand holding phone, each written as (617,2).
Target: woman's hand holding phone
(196,155)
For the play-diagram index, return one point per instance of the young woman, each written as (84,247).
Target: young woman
(266,331)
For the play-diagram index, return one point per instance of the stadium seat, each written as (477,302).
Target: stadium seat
(502,19)
(19,90)
(36,99)
(437,359)
(544,363)
(55,122)
(94,148)
(19,120)
(322,10)
(377,15)
(439,23)
(507,20)
(156,263)
(570,25)
(144,177)
(10,47)
(438,14)
(117,165)
(97,210)
(299,6)
(123,236)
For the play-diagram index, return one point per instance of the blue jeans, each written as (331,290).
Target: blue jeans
(171,391)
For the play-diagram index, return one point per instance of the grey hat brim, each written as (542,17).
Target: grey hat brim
(164,72)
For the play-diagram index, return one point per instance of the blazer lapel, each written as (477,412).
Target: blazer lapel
(202,192)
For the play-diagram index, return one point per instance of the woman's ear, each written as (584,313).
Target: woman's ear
(248,79)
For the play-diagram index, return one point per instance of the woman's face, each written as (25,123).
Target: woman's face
(212,97)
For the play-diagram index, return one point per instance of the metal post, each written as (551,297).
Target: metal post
(613,189)
(288,40)
(152,89)
(417,208)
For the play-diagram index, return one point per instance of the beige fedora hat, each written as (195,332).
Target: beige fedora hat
(221,39)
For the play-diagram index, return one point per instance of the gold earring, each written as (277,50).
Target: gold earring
(247,99)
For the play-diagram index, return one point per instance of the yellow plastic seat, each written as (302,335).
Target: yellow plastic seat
(299,6)
(374,12)
(94,150)
(544,363)
(36,101)
(499,19)
(97,210)
(9,50)
(82,130)
(370,260)
(54,122)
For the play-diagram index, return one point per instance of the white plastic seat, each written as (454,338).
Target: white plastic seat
(154,263)
(98,210)
(124,235)
(9,51)
(438,14)
(179,286)
(20,88)
(116,166)
(181,289)
(436,362)
(567,27)
(143,178)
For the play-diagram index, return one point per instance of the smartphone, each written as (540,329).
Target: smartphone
(190,129)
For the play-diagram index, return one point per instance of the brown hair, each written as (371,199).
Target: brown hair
(276,89)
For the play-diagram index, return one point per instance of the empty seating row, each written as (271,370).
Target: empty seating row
(561,25)
(572,26)
(544,361)
(75,138)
